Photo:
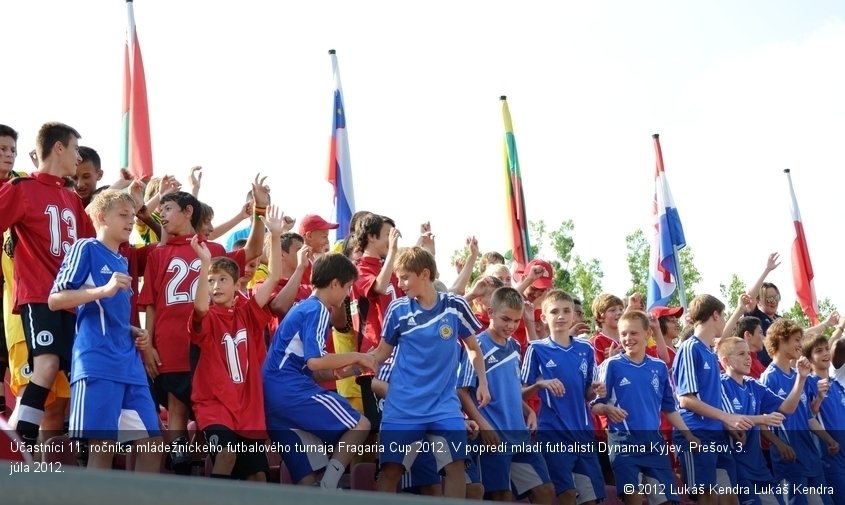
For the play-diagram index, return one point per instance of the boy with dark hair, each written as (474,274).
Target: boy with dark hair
(504,418)
(746,396)
(697,379)
(750,329)
(111,399)
(298,411)
(637,390)
(796,458)
(561,368)
(422,402)
(170,282)
(831,417)
(45,220)
(227,393)
(88,174)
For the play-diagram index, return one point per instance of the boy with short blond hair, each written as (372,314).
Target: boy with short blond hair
(637,389)
(561,368)
(422,402)
(504,418)
(110,396)
(745,396)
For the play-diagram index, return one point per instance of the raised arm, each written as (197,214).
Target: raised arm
(223,228)
(771,264)
(201,299)
(460,285)
(260,200)
(384,276)
(744,305)
(274,221)
(282,303)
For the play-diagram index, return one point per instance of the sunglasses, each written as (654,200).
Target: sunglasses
(773,299)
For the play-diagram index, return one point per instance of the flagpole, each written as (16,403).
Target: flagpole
(682,294)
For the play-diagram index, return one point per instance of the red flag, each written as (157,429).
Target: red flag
(136,149)
(802,269)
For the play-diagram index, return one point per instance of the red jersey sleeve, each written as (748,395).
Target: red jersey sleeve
(12,207)
(149,291)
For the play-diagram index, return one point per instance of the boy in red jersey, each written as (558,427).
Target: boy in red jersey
(45,220)
(227,390)
(170,283)
(607,309)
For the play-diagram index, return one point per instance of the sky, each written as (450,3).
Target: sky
(738,91)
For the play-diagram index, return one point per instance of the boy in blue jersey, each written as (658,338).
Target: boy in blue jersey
(562,368)
(110,397)
(503,420)
(422,403)
(795,456)
(300,413)
(697,379)
(637,390)
(832,417)
(744,395)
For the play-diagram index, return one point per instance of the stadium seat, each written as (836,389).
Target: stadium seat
(62,450)
(363,477)
(9,441)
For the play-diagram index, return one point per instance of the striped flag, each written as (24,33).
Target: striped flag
(340,169)
(520,245)
(136,150)
(802,269)
(664,261)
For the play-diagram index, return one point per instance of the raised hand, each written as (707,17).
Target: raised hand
(260,192)
(747,303)
(832,319)
(824,386)
(393,239)
(304,255)
(136,191)
(635,302)
(195,177)
(201,249)
(773,262)
(472,243)
(804,366)
(274,220)
(168,185)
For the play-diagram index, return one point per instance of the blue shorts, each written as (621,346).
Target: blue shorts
(628,466)
(324,414)
(519,472)
(101,409)
(423,473)
(835,477)
(704,468)
(445,439)
(472,470)
(579,471)
(796,495)
(306,452)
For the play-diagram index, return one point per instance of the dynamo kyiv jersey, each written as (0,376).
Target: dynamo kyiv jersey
(641,389)
(832,415)
(750,398)
(504,412)
(696,371)
(795,430)
(424,374)
(301,336)
(104,347)
(574,366)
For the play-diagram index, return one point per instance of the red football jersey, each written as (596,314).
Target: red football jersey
(601,343)
(227,385)
(45,220)
(372,306)
(170,283)
(136,258)
(302,293)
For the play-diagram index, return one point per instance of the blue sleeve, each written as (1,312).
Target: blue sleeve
(811,387)
(466,372)
(727,405)
(686,379)
(667,404)
(75,269)
(387,367)
(605,376)
(468,324)
(769,401)
(390,328)
(314,330)
(530,367)
(592,372)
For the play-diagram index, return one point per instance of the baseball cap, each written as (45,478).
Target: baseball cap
(660,311)
(313,222)
(545,280)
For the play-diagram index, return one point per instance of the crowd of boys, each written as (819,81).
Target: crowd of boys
(492,387)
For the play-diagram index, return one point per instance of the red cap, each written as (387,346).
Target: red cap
(545,280)
(659,311)
(313,222)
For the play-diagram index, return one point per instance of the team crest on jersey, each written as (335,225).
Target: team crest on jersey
(445,332)
(753,403)
(583,368)
(804,398)
(26,372)
(655,383)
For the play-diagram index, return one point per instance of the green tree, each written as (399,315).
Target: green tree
(796,313)
(638,264)
(732,292)
(587,280)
